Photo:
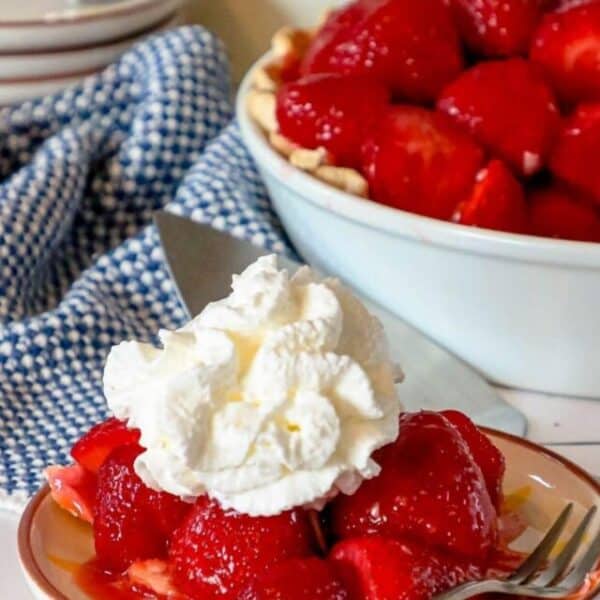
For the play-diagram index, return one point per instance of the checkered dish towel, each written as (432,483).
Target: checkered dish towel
(80,268)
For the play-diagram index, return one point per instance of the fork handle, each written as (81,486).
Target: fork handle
(474,588)
(468,590)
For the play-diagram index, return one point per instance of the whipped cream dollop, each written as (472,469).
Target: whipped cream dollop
(274,397)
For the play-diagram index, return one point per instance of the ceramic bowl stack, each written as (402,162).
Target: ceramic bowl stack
(46,45)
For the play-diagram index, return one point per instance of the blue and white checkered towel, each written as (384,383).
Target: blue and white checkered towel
(80,270)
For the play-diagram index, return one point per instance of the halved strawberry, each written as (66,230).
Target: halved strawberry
(74,489)
(298,579)
(379,568)
(331,111)
(417,160)
(486,455)
(575,155)
(508,107)
(155,576)
(496,202)
(130,519)
(91,450)
(497,27)
(558,212)
(412,47)
(430,488)
(218,553)
(567,47)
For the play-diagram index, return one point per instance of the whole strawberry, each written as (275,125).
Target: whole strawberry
(508,107)
(418,160)
(489,459)
(91,450)
(497,28)
(218,553)
(567,47)
(559,212)
(298,579)
(131,521)
(331,111)
(379,568)
(430,489)
(575,155)
(412,47)
(496,202)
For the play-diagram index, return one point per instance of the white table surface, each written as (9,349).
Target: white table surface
(568,426)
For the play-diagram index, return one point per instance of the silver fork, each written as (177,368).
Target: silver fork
(556,579)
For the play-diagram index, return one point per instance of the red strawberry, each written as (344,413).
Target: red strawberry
(567,47)
(497,27)
(575,155)
(417,160)
(486,455)
(509,108)
(430,488)
(410,46)
(74,489)
(560,213)
(331,111)
(217,553)
(496,202)
(166,511)
(298,579)
(379,568)
(130,519)
(92,449)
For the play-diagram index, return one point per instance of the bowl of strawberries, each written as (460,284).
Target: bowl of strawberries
(440,157)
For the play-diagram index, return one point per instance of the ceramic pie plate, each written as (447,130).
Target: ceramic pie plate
(538,482)
(46,25)
(23,67)
(27,76)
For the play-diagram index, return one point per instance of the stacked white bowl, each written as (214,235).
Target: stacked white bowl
(46,45)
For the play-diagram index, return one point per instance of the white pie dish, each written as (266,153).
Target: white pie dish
(26,76)
(523,310)
(21,66)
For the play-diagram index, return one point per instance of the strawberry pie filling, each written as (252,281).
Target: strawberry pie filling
(261,452)
(462,110)
(428,522)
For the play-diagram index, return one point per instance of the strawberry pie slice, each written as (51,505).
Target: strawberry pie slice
(261,453)
(390,540)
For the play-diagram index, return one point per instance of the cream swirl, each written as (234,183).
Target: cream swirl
(274,397)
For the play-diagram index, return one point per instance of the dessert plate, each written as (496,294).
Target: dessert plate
(538,484)
(45,25)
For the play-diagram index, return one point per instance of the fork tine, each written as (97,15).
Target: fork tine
(577,576)
(562,561)
(543,549)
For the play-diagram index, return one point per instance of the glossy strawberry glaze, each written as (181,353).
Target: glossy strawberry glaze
(519,78)
(103,585)
(409,554)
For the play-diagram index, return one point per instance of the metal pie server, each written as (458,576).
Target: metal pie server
(201,261)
